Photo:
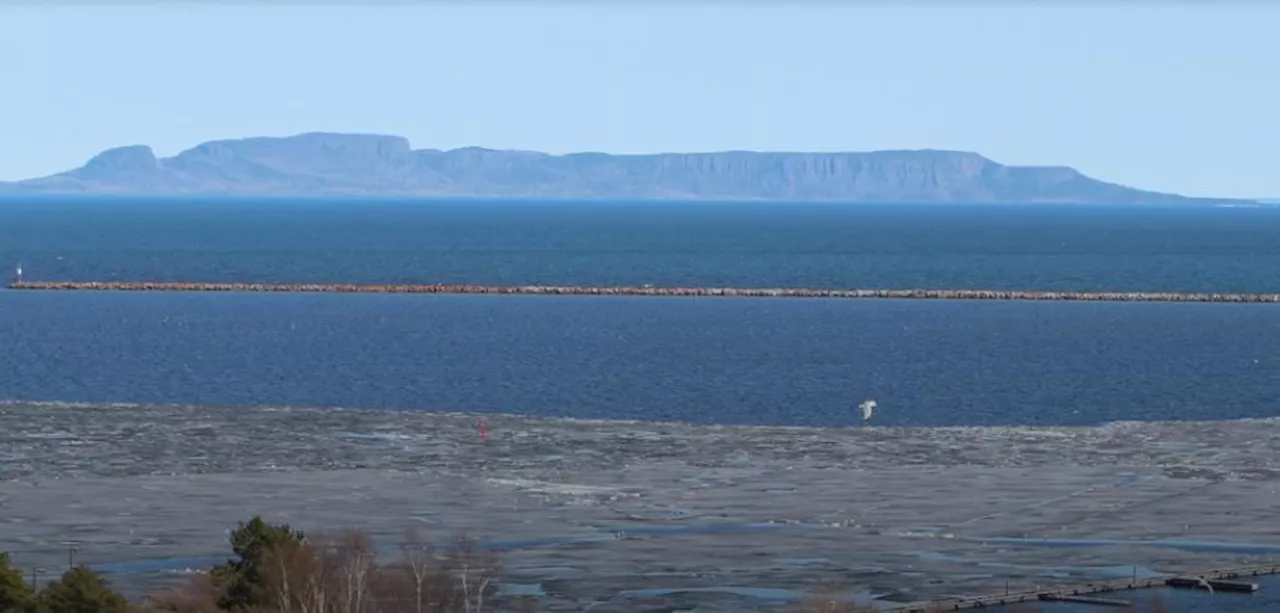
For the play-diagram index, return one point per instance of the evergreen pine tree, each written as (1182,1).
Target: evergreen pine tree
(15,594)
(242,581)
(80,590)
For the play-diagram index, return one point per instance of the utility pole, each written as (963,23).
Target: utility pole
(34,573)
(71,557)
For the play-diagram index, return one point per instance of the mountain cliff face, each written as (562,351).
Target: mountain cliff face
(333,164)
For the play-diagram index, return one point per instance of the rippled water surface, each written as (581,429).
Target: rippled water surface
(800,362)
(709,360)
(605,243)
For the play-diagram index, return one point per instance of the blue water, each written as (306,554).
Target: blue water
(606,243)
(706,360)
(709,360)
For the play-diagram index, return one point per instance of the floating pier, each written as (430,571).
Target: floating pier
(1090,600)
(1197,583)
(1086,593)
(577,290)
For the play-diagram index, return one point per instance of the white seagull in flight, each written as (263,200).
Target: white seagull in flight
(868,407)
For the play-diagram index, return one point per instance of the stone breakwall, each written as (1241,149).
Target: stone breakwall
(920,294)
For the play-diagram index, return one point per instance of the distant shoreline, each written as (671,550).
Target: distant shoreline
(116,198)
(573,290)
(329,163)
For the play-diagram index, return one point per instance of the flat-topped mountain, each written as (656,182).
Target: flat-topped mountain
(378,165)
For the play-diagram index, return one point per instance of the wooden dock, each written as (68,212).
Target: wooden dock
(1081,592)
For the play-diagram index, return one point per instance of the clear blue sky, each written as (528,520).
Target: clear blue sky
(1176,96)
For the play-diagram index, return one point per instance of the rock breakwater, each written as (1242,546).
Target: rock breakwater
(574,290)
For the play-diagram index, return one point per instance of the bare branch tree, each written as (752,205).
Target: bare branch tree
(344,575)
(418,556)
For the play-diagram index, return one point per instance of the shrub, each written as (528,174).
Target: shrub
(80,590)
(15,594)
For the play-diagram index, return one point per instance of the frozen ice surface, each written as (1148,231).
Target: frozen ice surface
(619,516)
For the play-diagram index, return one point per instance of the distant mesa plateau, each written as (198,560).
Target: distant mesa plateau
(328,164)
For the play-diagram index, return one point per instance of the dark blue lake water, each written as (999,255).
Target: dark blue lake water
(713,360)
